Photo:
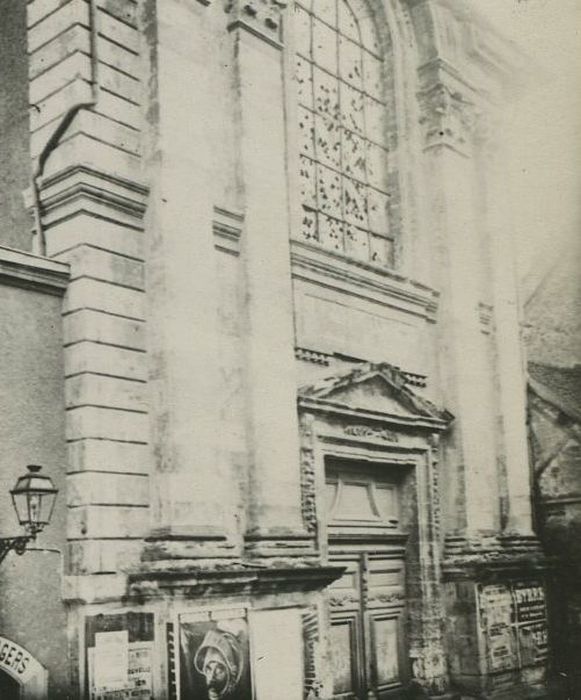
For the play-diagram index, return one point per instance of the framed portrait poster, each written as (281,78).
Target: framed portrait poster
(214,656)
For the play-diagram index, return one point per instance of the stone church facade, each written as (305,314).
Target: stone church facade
(294,394)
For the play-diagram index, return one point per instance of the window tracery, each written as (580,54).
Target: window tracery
(342,132)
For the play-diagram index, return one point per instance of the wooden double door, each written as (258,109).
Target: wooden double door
(367,605)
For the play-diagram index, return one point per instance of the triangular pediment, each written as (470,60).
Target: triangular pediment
(376,389)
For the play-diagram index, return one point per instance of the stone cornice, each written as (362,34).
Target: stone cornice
(343,410)
(21,269)
(238,580)
(84,187)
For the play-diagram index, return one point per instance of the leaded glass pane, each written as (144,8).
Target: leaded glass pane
(303,32)
(350,60)
(308,182)
(326,94)
(331,233)
(324,47)
(326,10)
(329,191)
(306,132)
(304,81)
(353,150)
(357,243)
(352,116)
(342,127)
(354,202)
(347,23)
(328,142)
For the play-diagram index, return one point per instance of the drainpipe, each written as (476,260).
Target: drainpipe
(39,241)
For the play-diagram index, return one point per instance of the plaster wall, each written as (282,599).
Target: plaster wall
(14,136)
(32,431)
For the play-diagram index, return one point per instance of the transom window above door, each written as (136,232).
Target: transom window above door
(341,94)
(360,499)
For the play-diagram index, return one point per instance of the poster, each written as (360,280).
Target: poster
(513,622)
(110,661)
(120,656)
(215,660)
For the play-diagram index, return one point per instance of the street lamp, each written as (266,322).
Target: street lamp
(33,497)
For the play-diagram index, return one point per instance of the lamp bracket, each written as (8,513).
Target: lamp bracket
(18,544)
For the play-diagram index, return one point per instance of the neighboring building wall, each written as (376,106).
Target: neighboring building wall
(555,434)
(552,332)
(552,294)
(32,431)
(15,167)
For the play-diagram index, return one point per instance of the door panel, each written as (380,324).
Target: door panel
(345,652)
(367,604)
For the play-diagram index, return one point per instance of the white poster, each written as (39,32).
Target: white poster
(277,652)
(111,661)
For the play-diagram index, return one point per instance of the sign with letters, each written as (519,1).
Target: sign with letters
(16,661)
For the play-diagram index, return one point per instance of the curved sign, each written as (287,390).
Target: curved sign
(19,663)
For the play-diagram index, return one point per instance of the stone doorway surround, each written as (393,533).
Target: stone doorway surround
(369,415)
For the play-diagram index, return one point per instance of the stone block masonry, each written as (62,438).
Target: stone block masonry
(85,122)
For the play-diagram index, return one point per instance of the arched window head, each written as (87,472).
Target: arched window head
(343,138)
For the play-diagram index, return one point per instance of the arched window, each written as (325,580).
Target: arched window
(343,138)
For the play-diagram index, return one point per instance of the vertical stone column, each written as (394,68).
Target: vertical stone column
(272,426)
(191,492)
(510,368)
(447,116)
(89,199)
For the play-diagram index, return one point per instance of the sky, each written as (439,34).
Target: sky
(545,125)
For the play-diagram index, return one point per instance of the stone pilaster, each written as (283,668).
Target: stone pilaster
(89,200)
(192,512)
(447,107)
(274,509)
(509,359)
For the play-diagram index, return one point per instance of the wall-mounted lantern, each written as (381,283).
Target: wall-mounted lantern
(33,497)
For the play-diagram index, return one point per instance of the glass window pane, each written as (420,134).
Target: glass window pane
(342,130)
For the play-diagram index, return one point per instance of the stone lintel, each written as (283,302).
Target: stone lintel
(21,269)
(248,580)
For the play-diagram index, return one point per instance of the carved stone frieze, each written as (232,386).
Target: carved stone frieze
(386,598)
(262,17)
(308,489)
(447,117)
(343,600)
(311,653)
(368,431)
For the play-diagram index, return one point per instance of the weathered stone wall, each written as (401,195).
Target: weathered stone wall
(14,135)
(85,83)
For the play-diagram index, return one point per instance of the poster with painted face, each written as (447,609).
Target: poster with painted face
(215,660)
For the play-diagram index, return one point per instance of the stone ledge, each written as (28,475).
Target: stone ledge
(23,269)
(325,268)
(234,580)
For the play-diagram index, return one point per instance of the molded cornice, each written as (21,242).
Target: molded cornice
(21,269)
